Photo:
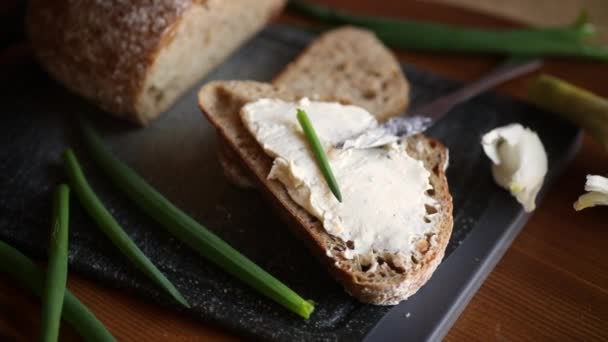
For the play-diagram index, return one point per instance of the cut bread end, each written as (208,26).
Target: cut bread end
(202,38)
(134,59)
(383,278)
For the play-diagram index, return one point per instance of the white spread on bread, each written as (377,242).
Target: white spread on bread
(519,161)
(383,189)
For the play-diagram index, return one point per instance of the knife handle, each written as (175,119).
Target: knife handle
(512,68)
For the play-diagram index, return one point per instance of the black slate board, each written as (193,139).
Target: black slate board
(176,154)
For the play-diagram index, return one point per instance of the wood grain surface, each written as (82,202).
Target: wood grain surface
(552,283)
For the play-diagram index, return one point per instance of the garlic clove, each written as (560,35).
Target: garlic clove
(597,193)
(519,161)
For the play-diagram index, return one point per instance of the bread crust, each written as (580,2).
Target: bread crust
(106,50)
(220,102)
(233,169)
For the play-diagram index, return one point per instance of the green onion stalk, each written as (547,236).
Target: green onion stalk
(578,105)
(190,232)
(57,269)
(319,153)
(422,35)
(112,229)
(23,270)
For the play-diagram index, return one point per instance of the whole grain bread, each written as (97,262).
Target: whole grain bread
(382,279)
(135,58)
(352,66)
(347,64)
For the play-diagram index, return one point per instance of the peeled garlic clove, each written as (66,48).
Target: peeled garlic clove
(597,193)
(519,161)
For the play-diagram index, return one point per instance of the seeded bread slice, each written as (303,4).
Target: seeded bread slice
(348,65)
(383,278)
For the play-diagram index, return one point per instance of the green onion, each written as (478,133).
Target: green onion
(112,229)
(413,34)
(580,106)
(189,231)
(22,269)
(580,29)
(319,153)
(57,270)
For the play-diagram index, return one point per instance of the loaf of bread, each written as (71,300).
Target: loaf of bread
(135,58)
(386,278)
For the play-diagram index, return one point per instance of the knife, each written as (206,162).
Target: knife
(427,115)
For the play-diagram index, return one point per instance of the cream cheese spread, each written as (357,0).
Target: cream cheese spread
(383,189)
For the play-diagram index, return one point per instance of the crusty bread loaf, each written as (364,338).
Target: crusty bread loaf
(348,65)
(385,279)
(135,58)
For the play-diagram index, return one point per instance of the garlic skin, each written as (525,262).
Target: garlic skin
(597,193)
(519,161)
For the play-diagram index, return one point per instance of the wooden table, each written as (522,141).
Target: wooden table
(551,284)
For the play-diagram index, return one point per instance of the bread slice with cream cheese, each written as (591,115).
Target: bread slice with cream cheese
(347,64)
(381,278)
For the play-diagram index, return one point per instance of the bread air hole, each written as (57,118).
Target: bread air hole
(365,268)
(156,94)
(430,192)
(350,244)
(345,102)
(397,268)
(338,248)
(374,73)
(426,219)
(422,246)
(414,260)
(369,94)
(430,209)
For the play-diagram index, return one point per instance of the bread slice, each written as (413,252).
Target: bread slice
(351,66)
(347,64)
(383,280)
(135,58)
